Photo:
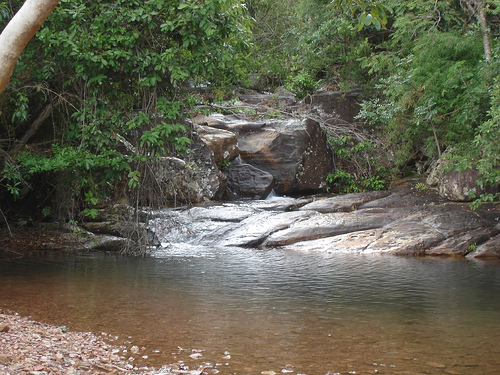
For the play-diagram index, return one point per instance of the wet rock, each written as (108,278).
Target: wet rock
(403,221)
(227,212)
(247,181)
(405,194)
(254,230)
(334,224)
(344,203)
(104,243)
(410,237)
(461,245)
(488,250)
(277,203)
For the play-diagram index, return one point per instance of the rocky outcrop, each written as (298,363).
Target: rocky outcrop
(460,186)
(294,151)
(403,221)
(454,185)
(175,181)
(488,250)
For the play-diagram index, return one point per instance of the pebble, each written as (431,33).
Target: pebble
(32,348)
(4,328)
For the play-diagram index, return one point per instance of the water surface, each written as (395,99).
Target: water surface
(317,312)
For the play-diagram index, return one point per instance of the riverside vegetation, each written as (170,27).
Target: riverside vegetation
(102,92)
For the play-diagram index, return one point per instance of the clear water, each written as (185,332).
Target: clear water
(316,312)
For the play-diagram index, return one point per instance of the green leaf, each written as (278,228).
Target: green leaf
(368,19)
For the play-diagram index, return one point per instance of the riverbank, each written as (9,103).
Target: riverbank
(28,347)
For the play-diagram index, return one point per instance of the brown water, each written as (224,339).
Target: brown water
(317,312)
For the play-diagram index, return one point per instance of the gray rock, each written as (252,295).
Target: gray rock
(247,181)
(104,243)
(294,151)
(171,180)
(334,224)
(252,231)
(460,186)
(488,250)
(344,203)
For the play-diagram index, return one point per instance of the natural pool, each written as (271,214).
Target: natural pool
(318,312)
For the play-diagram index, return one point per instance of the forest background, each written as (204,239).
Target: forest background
(103,78)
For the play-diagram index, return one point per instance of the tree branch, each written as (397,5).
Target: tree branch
(18,32)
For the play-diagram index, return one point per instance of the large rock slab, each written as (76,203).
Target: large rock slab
(334,224)
(294,151)
(422,224)
(252,231)
(344,203)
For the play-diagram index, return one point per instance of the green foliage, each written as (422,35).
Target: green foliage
(120,67)
(301,84)
(359,167)
(420,186)
(344,182)
(369,12)
(434,97)
(224,164)
(300,43)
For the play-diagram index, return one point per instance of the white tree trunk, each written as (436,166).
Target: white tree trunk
(476,9)
(21,28)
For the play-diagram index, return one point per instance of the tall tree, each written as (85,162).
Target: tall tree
(19,32)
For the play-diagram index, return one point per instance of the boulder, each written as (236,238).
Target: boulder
(294,151)
(223,143)
(171,180)
(460,186)
(345,105)
(247,181)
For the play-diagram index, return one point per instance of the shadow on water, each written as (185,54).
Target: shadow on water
(318,312)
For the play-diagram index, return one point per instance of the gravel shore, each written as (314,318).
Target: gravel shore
(31,348)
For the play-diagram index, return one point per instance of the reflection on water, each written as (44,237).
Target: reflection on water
(318,312)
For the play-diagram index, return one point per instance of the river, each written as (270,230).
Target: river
(320,313)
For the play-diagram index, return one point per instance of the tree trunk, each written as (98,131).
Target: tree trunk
(21,28)
(476,9)
(481,17)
